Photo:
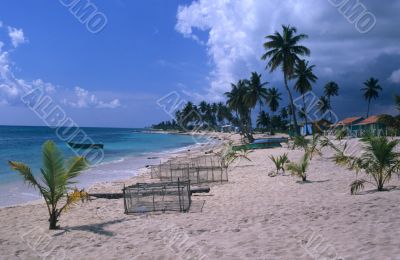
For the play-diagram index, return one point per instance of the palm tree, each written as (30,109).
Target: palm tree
(236,102)
(392,122)
(263,120)
(331,89)
(273,98)
(323,105)
(256,90)
(55,181)
(303,73)
(283,50)
(284,113)
(300,169)
(220,114)
(234,98)
(188,114)
(379,160)
(203,106)
(371,91)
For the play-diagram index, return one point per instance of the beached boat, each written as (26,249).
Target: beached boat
(86,146)
(262,144)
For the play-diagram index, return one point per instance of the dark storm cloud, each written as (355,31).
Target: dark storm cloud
(340,52)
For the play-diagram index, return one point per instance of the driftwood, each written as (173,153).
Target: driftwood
(200,190)
(107,195)
(112,196)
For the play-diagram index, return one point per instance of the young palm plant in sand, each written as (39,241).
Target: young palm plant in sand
(300,169)
(309,146)
(378,160)
(228,155)
(54,183)
(279,162)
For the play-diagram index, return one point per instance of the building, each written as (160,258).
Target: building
(369,125)
(349,123)
(318,126)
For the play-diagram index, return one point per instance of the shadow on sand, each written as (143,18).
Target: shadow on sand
(308,182)
(94,228)
(387,189)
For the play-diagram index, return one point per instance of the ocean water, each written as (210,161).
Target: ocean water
(125,151)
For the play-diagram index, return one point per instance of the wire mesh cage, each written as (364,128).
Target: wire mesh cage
(199,170)
(152,197)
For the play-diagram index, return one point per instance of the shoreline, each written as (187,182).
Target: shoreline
(252,216)
(137,171)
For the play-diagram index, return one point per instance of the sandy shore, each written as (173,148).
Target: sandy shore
(253,216)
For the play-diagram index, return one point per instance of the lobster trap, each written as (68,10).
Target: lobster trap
(152,197)
(204,169)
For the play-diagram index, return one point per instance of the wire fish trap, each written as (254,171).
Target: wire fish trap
(153,197)
(202,169)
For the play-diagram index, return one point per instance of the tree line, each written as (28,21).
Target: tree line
(283,50)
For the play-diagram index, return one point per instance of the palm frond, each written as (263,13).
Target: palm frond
(75,166)
(25,172)
(54,180)
(53,171)
(300,142)
(299,169)
(357,186)
(378,160)
(73,198)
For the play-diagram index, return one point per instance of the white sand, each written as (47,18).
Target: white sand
(251,217)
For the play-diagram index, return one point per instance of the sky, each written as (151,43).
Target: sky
(108,67)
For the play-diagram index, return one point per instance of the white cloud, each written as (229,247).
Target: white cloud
(235,32)
(12,88)
(16,35)
(84,99)
(112,104)
(395,77)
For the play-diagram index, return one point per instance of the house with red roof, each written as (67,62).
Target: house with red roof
(369,125)
(349,123)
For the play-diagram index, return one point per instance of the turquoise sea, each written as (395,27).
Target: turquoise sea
(125,151)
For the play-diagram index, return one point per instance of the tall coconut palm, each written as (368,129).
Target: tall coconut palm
(203,106)
(304,76)
(220,112)
(273,98)
(284,113)
(371,91)
(256,91)
(236,102)
(188,114)
(331,89)
(323,105)
(235,96)
(55,180)
(263,120)
(283,50)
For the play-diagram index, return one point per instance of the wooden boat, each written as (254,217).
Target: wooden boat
(86,146)
(262,144)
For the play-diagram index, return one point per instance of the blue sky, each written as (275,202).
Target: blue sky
(137,58)
(150,48)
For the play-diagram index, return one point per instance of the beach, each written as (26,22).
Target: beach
(253,216)
(126,150)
